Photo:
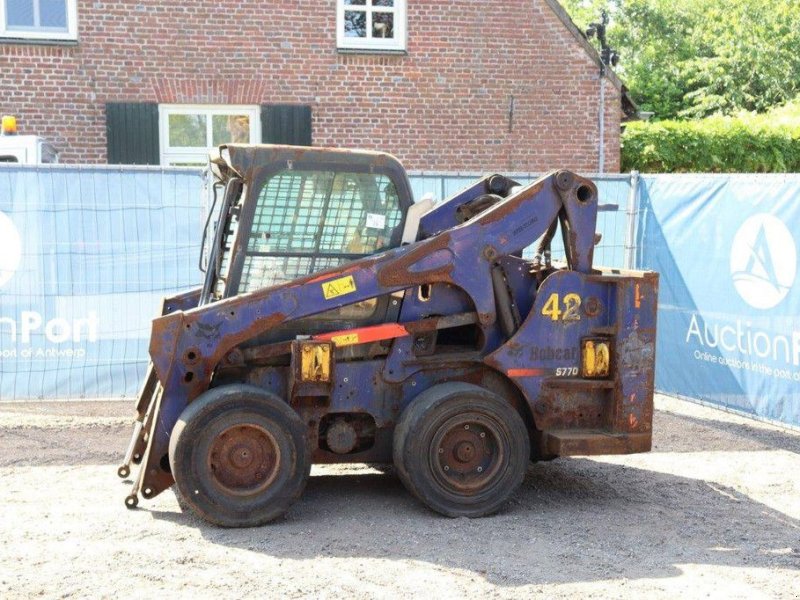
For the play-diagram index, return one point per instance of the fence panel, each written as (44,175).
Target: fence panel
(729,303)
(86,255)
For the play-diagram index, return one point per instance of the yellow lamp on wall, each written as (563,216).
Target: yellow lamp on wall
(9,125)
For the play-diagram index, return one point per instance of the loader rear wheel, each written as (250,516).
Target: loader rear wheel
(239,456)
(461,450)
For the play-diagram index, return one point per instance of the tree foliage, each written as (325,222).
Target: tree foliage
(693,58)
(742,143)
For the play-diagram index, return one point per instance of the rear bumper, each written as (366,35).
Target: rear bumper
(577,442)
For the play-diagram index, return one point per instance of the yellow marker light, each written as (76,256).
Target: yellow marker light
(596,358)
(315,362)
(9,125)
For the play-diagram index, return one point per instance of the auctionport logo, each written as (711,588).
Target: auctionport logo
(10,249)
(763,261)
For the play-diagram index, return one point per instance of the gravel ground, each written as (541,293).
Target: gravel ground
(713,511)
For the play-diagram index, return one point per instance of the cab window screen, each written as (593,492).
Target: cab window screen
(313,212)
(307,221)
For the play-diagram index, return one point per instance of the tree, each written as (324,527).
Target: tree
(691,58)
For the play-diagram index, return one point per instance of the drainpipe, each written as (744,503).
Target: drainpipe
(601,163)
(608,57)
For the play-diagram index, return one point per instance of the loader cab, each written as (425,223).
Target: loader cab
(284,212)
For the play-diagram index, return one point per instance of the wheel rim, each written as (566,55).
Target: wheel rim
(244,459)
(468,452)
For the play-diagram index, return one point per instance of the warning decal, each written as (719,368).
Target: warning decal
(347,339)
(338,287)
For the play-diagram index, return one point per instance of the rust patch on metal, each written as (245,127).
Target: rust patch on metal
(244,459)
(587,443)
(262,353)
(564,180)
(434,323)
(337,271)
(636,352)
(571,408)
(257,326)
(592,307)
(469,453)
(341,437)
(197,377)
(504,209)
(398,271)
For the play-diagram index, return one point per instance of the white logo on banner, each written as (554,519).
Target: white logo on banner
(10,249)
(763,261)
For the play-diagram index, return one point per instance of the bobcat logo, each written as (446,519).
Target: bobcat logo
(208,332)
(763,261)
(10,249)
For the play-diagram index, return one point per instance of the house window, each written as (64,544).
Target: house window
(188,133)
(371,24)
(39,19)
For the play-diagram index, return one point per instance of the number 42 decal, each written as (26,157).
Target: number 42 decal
(570,303)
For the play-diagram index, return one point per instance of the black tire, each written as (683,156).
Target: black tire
(461,450)
(239,456)
(182,504)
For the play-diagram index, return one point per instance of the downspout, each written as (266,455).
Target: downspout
(601,162)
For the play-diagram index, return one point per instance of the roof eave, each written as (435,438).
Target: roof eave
(629,108)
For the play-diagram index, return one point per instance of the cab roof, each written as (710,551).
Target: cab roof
(245,160)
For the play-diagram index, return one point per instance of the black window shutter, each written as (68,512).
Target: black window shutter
(286,124)
(132,133)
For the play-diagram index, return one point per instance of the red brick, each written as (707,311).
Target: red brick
(443,106)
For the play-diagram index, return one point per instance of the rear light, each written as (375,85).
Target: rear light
(595,357)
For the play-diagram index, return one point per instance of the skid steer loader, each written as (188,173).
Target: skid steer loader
(340,322)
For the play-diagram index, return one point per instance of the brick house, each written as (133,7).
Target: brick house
(446,86)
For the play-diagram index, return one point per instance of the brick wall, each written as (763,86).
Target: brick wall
(443,106)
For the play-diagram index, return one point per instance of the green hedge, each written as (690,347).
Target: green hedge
(745,143)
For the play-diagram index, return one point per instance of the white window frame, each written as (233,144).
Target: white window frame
(71,34)
(170,155)
(398,42)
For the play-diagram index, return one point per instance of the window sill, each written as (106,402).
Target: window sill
(389,51)
(6,39)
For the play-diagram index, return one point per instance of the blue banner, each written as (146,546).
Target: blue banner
(729,303)
(86,254)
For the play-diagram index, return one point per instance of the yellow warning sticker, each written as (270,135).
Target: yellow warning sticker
(338,287)
(346,339)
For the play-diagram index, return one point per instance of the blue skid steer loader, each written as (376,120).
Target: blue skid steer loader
(340,322)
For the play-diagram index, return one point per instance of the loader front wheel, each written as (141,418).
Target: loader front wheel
(239,456)
(461,450)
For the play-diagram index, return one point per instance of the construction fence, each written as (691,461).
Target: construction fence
(87,253)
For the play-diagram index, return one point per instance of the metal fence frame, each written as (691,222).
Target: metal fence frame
(443,184)
(75,190)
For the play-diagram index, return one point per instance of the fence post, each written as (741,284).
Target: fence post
(631,215)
